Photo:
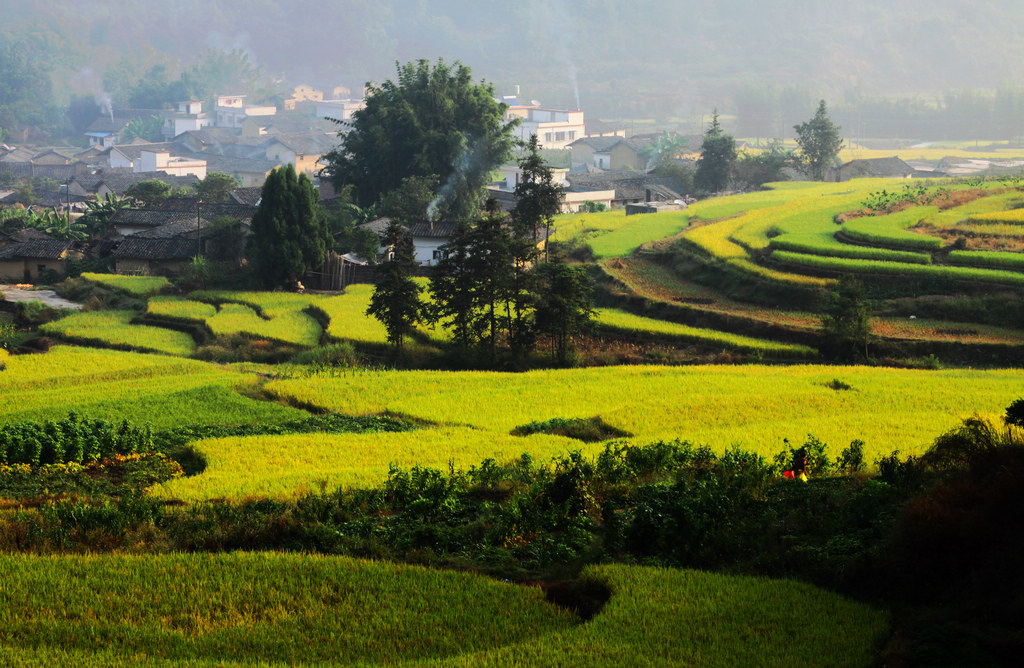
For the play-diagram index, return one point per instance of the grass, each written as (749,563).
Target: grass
(257,608)
(628,322)
(140,286)
(114,329)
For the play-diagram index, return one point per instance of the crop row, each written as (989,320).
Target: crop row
(890,230)
(255,608)
(71,439)
(856,266)
(996,259)
(827,245)
(625,321)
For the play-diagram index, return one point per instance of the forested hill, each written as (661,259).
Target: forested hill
(654,57)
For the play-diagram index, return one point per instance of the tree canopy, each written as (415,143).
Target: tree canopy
(431,121)
(819,143)
(288,229)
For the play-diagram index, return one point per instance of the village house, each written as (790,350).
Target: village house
(188,116)
(875,167)
(154,256)
(303,151)
(30,261)
(572,198)
(629,187)
(231,110)
(554,128)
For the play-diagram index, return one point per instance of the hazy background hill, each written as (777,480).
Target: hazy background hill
(643,58)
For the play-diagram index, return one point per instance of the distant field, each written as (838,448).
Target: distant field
(244,609)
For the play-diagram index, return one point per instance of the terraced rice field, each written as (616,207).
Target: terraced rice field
(140,286)
(115,329)
(113,385)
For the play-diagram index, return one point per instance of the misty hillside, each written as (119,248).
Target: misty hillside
(621,59)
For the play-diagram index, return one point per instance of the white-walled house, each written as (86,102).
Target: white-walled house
(427,239)
(232,110)
(340,110)
(188,117)
(163,161)
(555,128)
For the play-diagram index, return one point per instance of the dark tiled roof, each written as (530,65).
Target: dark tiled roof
(136,248)
(377,226)
(627,185)
(208,210)
(308,143)
(37,249)
(27,234)
(134,151)
(433,230)
(891,166)
(144,218)
(106,122)
(58,172)
(238,165)
(119,180)
(249,196)
(598,144)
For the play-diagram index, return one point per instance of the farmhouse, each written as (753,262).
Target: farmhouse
(154,256)
(875,167)
(27,261)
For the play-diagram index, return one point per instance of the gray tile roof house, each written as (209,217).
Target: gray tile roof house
(43,249)
(165,256)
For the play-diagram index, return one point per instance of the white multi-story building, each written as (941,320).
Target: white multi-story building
(232,110)
(555,128)
(188,117)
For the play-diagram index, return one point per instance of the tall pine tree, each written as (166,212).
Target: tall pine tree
(395,302)
(717,155)
(288,229)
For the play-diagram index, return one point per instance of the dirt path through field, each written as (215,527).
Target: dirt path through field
(23,293)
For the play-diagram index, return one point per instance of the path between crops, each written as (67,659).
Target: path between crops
(24,293)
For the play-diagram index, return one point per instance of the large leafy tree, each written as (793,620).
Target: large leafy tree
(150,194)
(432,120)
(217,187)
(288,230)
(395,302)
(717,156)
(819,143)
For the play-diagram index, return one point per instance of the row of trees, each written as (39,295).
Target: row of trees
(490,289)
(720,164)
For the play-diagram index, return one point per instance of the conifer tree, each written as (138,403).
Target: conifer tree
(288,230)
